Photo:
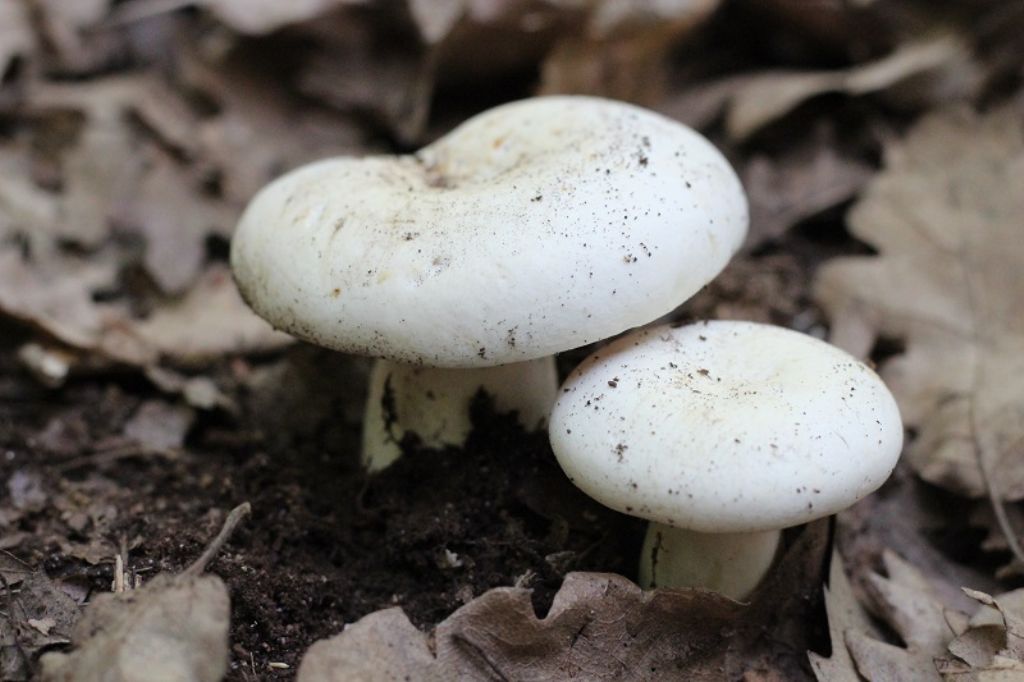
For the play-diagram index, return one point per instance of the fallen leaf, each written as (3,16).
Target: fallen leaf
(771,96)
(42,625)
(950,281)
(908,514)
(38,616)
(211,320)
(992,648)
(622,50)
(175,217)
(844,613)
(599,627)
(199,391)
(172,628)
(906,602)
(157,425)
(390,648)
(809,178)
(260,130)
(16,35)
(55,294)
(26,490)
(354,69)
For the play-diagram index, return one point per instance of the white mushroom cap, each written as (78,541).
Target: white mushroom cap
(533,228)
(725,427)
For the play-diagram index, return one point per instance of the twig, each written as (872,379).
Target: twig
(233,519)
(115,454)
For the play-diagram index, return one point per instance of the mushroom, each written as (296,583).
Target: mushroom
(721,434)
(532,228)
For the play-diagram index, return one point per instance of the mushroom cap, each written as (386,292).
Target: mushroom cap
(532,228)
(725,427)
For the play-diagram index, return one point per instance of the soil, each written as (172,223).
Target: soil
(326,544)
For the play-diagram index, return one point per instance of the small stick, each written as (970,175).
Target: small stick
(115,454)
(118,574)
(233,519)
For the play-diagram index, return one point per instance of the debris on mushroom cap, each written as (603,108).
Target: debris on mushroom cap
(725,427)
(533,228)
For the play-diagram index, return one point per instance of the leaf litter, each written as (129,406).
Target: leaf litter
(132,133)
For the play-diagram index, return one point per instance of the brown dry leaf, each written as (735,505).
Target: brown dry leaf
(38,601)
(100,170)
(56,294)
(173,628)
(175,217)
(16,35)
(389,648)
(945,216)
(771,96)
(600,627)
(784,189)
(67,30)
(356,70)
(622,50)
(906,601)
(992,649)
(157,425)
(210,321)
(200,392)
(908,514)
(259,132)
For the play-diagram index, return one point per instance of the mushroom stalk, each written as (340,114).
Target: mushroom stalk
(729,563)
(434,403)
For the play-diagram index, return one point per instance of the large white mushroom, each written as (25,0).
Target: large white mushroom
(533,228)
(721,434)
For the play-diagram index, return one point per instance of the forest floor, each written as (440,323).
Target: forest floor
(881,144)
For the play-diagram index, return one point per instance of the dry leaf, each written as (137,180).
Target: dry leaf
(946,217)
(210,321)
(389,648)
(259,131)
(810,178)
(173,628)
(157,425)
(622,50)
(38,616)
(355,69)
(772,95)
(905,601)
(844,613)
(16,36)
(909,514)
(175,218)
(56,295)
(600,627)
(993,647)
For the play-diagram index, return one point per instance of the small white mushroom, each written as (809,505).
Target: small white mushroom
(721,434)
(533,228)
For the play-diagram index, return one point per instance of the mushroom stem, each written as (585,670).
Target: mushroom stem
(434,403)
(729,563)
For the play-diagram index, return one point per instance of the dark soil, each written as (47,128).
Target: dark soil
(325,545)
